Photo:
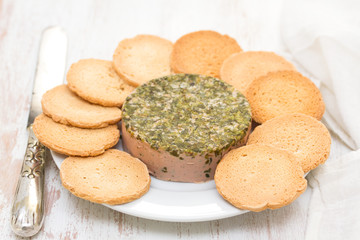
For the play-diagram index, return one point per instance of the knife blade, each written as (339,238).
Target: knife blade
(28,205)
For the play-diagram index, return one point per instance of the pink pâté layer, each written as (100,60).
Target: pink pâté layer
(181,125)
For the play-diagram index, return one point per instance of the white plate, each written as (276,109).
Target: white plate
(175,202)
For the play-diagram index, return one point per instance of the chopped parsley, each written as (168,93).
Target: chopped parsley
(187,114)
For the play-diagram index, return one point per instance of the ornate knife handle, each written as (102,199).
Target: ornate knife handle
(28,207)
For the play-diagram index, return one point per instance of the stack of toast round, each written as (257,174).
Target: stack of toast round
(80,120)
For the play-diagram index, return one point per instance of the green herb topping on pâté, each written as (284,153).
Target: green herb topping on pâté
(187,114)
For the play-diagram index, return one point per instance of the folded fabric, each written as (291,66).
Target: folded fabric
(324,40)
(334,211)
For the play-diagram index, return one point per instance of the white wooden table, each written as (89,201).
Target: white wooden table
(94,28)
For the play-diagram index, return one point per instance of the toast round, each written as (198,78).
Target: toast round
(257,177)
(284,92)
(65,107)
(114,177)
(202,52)
(298,133)
(97,82)
(142,58)
(74,141)
(240,69)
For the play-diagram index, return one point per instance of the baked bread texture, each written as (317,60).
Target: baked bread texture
(258,177)
(74,141)
(240,69)
(298,133)
(142,58)
(202,52)
(114,177)
(284,92)
(97,82)
(65,107)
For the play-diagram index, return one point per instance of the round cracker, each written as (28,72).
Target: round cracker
(257,177)
(114,177)
(240,69)
(142,58)
(97,82)
(65,107)
(298,133)
(202,52)
(74,141)
(284,92)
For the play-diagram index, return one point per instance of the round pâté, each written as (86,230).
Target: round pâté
(181,125)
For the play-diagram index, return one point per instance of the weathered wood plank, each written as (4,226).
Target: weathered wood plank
(94,29)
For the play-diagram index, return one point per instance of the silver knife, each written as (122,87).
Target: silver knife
(28,206)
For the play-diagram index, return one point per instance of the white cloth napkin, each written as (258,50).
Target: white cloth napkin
(334,206)
(324,39)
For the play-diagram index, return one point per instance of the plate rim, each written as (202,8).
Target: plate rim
(229,211)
